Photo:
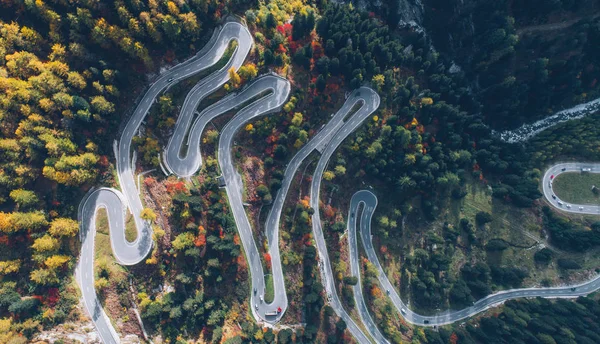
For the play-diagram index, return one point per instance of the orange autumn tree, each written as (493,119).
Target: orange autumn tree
(268,259)
(201,238)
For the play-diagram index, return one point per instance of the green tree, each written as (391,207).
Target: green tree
(24,198)
(340,170)
(183,241)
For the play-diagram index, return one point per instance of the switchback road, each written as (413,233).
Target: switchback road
(364,214)
(370,102)
(278,89)
(118,203)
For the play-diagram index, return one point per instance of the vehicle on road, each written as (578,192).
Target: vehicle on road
(352,215)
(170,80)
(552,177)
(261,299)
(271,313)
(586,169)
(426,322)
(403,310)
(554,196)
(580,208)
(559,203)
(254,291)
(563,169)
(569,206)
(256,306)
(573,289)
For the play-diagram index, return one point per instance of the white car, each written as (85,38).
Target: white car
(568,206)
(580,208)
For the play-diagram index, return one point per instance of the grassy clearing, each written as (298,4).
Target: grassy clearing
(577,187)
(102,246)
(104,261)
(269,292)
(102,240)
(130,229)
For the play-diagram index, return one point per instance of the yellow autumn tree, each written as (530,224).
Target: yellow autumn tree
(17,221)
(328,175)
(43,276)
(248,71)
(45,244)
(297,119)
(9,266)
(148,215)
(234,77)
(56,261)
(378,81)
(63,227)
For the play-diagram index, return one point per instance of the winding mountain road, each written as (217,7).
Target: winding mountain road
(365,213)
(182,156)
(278,89)
(119,203)
(370,102)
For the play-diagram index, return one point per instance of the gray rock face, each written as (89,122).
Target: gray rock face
(411,12)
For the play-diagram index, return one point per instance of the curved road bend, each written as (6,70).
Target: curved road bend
(355,270)
(572,167)
(113,201)
(279,89)
(187,164)
(370,103)
(273,218)
(116,202)
(370,203)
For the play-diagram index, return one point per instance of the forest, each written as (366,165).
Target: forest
(69,75)
(520,71)
(530,321)
(66,74)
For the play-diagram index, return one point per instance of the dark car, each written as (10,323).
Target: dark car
(573,289)
(563,169)
(426,322)
(554,196)
(352,215)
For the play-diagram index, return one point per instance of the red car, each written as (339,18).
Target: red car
(552,177)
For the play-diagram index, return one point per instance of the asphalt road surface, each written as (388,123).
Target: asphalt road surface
(278,90)
(369,202)
(272,222)
(357,289)
(370,103)
(556,202)
(187,164)
(118,203)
